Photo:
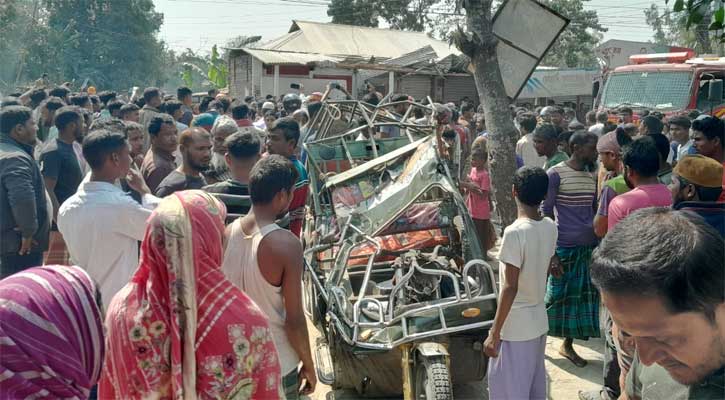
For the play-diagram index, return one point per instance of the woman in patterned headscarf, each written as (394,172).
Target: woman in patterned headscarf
(51,334)
(180,329)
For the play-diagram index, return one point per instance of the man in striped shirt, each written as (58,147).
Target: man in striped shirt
(572,302)
(282,140)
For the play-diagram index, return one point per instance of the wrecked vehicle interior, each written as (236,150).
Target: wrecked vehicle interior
(394,272)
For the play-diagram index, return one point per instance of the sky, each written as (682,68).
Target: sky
(199,24)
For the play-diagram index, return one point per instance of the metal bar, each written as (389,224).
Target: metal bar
(407,374)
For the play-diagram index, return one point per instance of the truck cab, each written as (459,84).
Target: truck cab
(670,83)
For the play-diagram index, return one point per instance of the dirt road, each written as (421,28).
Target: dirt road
(564,379)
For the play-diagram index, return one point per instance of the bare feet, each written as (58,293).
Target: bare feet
(567,351)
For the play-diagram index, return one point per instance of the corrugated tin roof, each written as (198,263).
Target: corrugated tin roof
(422,55)
(348,40)
(289,58)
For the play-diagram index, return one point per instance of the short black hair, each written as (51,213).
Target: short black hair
(240,110)
(249,99)
(182,92)
(94,99)
(531,184)
(662,144)
(59,91)
(106,96)
(10,101)
(681,121)
(99,144)
(204,104)
(150,93)
(654,125)
(581,138)
(12,116)
(171,106)
(313,108)
(711,127)
(38,95)
(686,270)
(130,126)
(465,107)
(527,121)
(289,127)
(270,176)
(53,103)
(114,105)
(225,102)
(80,99)
(215,105)
(67,115)
(623,138)
(243,145)
(128,108)
(625,110)
(546,132)
(157,122)
(372,99)
(642,157)
(109,124)
(212,90)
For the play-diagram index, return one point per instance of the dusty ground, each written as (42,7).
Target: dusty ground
(564,379)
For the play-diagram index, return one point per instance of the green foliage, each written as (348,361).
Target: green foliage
(702,15)
(575,46)
(112,43)
(406,15)
(670,29)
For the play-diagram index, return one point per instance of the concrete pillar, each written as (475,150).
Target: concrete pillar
(355,85)
(391,82)
(276,80)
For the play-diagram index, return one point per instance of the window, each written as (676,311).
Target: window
(651,89)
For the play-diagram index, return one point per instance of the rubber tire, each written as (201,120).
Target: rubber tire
(432,379)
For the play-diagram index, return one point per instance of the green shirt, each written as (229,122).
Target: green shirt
(654,383)
(558,157)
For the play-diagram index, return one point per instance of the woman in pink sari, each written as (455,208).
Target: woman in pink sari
(180,329)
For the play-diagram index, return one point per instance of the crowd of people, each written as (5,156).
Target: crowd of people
(210,301)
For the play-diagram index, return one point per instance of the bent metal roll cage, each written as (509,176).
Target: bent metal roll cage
(331,140)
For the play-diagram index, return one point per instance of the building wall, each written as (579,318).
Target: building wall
(240,75)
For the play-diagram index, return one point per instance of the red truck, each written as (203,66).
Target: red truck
(671,83)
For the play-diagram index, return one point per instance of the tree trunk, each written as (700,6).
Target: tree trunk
(480,46)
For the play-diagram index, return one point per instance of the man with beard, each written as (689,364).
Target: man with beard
(641,162)
(265,261)
(242,153)
(59,162)
(708,136)
(572,303)
(159,160)
(696,187)
(661,274)
(218,170)
(195,146)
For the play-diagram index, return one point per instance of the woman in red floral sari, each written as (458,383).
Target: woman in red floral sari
(180,329)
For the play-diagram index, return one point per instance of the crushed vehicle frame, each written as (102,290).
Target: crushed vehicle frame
(394,274)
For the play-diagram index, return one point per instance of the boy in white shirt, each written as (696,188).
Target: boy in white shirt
(517,339)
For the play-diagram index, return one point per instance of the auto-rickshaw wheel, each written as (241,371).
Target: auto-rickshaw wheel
(433,379)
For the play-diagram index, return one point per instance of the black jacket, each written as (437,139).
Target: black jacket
(23,205)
